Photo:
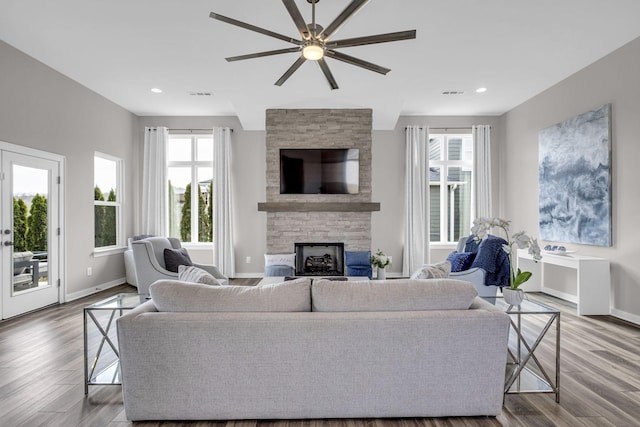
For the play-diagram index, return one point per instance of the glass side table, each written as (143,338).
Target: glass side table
(525,373)
(101,339)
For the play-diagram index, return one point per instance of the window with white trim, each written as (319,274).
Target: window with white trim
(450,186)
(107,200)
(189,167)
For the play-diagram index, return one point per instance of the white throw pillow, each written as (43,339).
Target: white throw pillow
(440,270)
(193,274)
(280,259)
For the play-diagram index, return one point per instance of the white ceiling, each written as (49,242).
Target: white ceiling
(122,48)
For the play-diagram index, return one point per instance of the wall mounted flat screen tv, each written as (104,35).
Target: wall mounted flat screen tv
(319,171)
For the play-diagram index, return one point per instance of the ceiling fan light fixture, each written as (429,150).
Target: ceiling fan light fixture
(313,51)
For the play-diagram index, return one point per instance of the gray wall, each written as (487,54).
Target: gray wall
(42,109)
(613,79)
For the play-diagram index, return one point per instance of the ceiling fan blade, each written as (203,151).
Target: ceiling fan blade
(349,11)
(327,73)
(290,71)
(378,38)
(297,17)
(253,28)
(261,54)
(357,62)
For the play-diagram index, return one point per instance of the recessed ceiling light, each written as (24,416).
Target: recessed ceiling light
(481,90)
(156,90)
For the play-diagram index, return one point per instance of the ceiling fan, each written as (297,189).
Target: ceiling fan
(316,43)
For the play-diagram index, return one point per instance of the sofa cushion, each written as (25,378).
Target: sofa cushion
(189,273)
(173,258)
(460,261)
(392,295)
(440,270)
(172,295)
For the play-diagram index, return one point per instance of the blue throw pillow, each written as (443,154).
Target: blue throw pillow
(358,257)
(460,261)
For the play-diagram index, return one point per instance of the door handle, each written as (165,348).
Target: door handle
(8,243)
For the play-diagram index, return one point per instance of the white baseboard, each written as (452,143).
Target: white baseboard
(248,275)
(562,295)
(261,275)
(629,317)
(86,292)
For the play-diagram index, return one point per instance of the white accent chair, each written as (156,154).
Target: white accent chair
(149,264)
(474,275)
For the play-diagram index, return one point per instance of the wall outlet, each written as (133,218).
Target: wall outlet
(248,260)
(89,271)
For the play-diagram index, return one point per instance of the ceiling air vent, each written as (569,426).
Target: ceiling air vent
(200,93)
(452,92)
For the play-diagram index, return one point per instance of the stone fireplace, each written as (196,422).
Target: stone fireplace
(321,218)
(319,259)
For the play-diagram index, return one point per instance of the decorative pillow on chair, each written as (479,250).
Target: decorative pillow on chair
(460,261)
(176,257)
(440,270)
(196,275)
(280,259)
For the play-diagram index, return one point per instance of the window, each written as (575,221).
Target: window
(189,167)
(450,186)
(107,198)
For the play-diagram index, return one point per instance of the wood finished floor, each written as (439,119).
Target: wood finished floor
(41,377)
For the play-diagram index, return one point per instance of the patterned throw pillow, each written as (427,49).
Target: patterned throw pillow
(176,257)
(280,259)
(460,261)
(440,270)
(196,275)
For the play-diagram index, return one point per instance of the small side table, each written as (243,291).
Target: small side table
(103,366)
(525,373)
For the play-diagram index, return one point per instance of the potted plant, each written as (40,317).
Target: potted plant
(381,261)
(513,295)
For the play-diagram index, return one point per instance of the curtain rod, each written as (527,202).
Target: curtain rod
(445,128)
(191,130)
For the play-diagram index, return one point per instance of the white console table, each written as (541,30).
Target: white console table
(593,277)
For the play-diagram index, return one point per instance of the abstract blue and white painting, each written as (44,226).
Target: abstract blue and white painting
(574,169)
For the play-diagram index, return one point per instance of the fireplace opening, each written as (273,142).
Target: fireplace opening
(319,259)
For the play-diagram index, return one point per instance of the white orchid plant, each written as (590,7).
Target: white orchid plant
(380,260)
(519,240)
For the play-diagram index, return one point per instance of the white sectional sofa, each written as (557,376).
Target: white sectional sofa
(397,348)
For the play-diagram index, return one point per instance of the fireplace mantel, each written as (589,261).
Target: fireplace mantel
(319,207)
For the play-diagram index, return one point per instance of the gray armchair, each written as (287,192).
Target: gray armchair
(149,262)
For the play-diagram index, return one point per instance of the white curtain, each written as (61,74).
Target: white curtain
(223,205)
(154,178)
(416,233)
(482,170)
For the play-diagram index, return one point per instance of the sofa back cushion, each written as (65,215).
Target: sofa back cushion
(177,296)
(392,295)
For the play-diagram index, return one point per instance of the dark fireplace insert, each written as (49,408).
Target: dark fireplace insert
(319,259)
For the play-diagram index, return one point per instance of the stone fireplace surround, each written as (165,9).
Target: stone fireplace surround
(322,218)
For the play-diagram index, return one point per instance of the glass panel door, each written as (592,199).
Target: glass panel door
(29,233)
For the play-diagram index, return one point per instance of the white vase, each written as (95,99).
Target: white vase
(382,273)
(513,296)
